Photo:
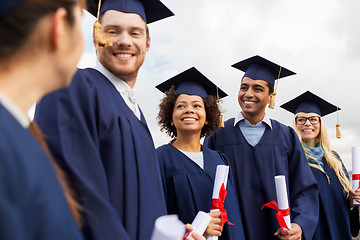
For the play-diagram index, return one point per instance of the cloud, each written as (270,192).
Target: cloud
(317,39)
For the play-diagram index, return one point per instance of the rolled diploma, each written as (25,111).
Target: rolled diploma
(282,198)
(168,227)
(221,176)
(200,222)
(355,169)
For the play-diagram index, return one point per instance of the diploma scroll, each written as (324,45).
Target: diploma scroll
(168,227)
(282,198)
(355,170)
(221,177)
(200,223)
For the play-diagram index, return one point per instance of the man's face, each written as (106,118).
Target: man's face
(128,33)
(253,97)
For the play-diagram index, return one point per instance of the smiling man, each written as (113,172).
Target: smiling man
(258,149)
(98,134)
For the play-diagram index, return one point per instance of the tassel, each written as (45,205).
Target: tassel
(338,133)
(272,100)
(221,122)
(101,38)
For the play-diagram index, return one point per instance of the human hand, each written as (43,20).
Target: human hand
(214,228)
(295,233)
(194,235)
(354,195)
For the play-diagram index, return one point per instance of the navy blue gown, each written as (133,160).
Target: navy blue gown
(336,221)
(32,203)
(109,155)
(279,152)
(188,188)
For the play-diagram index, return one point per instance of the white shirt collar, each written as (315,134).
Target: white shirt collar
(122,87)
(15,111)
(240,117)
(119,84)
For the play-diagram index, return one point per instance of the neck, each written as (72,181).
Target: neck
(310,143)
(188,142)
(26,82)
(254,119)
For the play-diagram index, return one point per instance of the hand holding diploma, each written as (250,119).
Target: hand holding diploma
(219,195)
(355,193)
(282,206)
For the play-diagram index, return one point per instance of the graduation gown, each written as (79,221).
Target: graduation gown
(279,152)
(32,203)
(188,188)
(336,221)
(109,155)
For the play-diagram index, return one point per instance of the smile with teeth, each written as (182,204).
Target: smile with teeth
(188,120)
(248,102)
(307,130)
(123,55)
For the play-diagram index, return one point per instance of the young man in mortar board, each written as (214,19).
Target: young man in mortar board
(98,133)
(258,149)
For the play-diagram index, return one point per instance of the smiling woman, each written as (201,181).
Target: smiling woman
(336,220)
(189,111)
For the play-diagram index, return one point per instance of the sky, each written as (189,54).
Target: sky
(317,39)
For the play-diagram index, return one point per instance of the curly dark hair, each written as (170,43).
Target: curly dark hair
(167,107)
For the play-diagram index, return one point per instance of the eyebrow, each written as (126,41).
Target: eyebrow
(195,101)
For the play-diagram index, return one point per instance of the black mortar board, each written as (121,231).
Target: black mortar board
(309,102)
(192,82)
(149,10)
(259,68)
(7,6)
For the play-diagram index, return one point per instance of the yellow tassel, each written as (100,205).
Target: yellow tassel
(101,38)
(221,122)
(338,133)
(272,100)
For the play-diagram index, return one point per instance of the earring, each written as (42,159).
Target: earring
(172,123)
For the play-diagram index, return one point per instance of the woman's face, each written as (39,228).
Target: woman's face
(308,125)
(189,115)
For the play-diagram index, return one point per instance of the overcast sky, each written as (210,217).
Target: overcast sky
(317,39)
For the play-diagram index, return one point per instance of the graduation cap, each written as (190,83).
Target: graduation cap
(193,82)
(309,102)
(7,6)
(149,10)
(259,68)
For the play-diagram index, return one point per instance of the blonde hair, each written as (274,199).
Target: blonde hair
(331,157)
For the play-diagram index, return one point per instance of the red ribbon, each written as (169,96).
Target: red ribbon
(219,204)
(281,213)
(356,177)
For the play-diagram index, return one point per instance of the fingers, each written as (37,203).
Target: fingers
(195,236)
(214,228)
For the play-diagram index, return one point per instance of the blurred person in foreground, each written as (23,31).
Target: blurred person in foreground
(41,42)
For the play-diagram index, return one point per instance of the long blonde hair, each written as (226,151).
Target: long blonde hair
(331,157)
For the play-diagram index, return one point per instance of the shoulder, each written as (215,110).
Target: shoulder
(216,154)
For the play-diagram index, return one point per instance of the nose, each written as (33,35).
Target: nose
(249,93)
(189,109)
(123,39)
(307,122)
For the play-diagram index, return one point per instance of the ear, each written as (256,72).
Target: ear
(58,28)
(148,45)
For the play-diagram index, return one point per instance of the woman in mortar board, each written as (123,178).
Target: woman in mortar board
(40,45)
(336,220)
(188,112)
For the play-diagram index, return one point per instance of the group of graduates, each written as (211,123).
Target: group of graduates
(87,167)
